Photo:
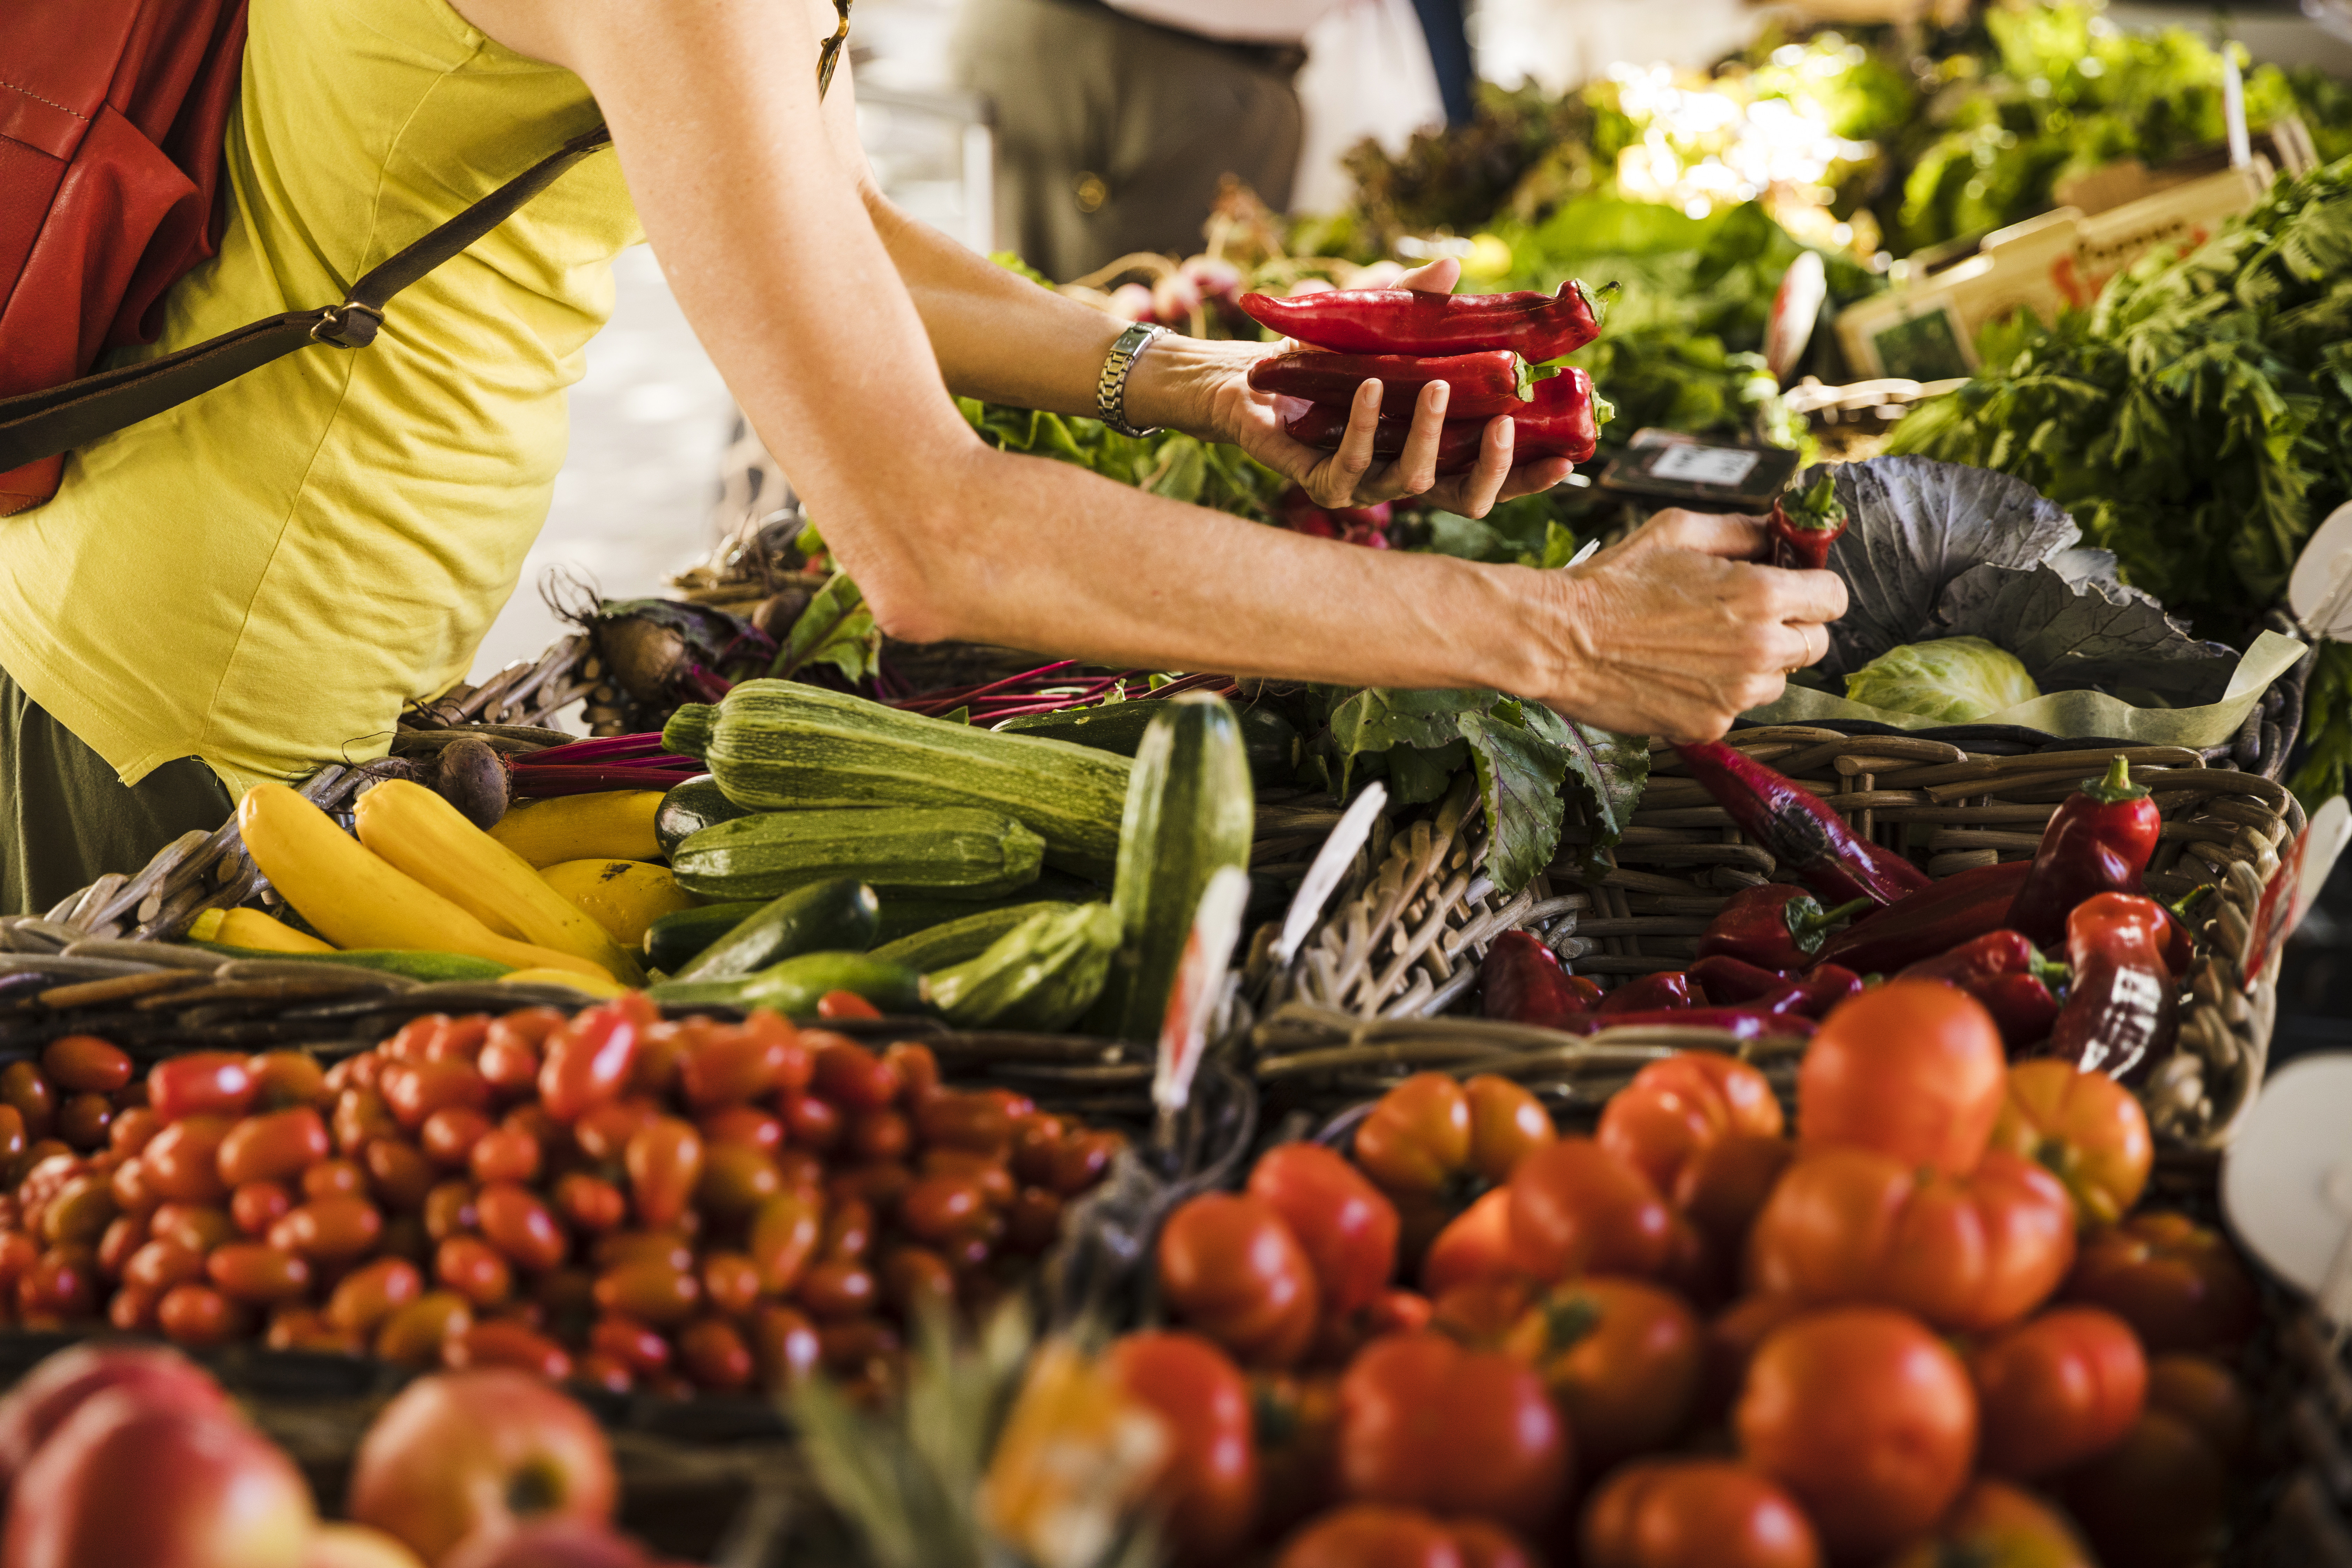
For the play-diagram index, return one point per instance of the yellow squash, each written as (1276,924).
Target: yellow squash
(252,928)
(357,901)
(580,983)
(416,831)
(614,825)
(626,896)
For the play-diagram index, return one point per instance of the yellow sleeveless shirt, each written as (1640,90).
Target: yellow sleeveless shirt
(261,577)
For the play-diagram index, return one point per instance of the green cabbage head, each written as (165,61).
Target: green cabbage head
(1956,679)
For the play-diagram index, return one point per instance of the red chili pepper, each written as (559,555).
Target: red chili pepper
(1364,525)
(1744,1023)
(1524,981)
(1798,828)
(1825,986)
(1483,384)
(1654,993)
(1802,532)
(1411,321)
(2121,1010)
(2098,841)
(1735,982)
(1934,919)
(1777,926)
(1990,968)
(1562,421)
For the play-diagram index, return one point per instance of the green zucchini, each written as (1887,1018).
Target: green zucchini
(1268,739)
(957,851)
(778,745)
(1043,974)
(794,985)
(838,916)
(672,941)
(690,808)
(905,913)
(1190,812)
(433,968)
(953,941)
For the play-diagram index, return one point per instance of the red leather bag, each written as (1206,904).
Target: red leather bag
(111,113)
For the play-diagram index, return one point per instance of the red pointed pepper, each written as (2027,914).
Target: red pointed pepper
(1411,321)
(2006,972)
(1825,986)
(1802,528)
(1563,420)
(1777,926)
(1742,1022)
(1483,384)
(1524,981)
(2121,1008)
(1734,982)
(1653,993)
(1934,919)
(1799,829)
(2098,841)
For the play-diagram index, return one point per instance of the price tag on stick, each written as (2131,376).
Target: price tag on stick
(1200,982)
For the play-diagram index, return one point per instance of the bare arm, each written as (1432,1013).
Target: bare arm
(757,213)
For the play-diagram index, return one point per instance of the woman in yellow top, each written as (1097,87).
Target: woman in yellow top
(256,582)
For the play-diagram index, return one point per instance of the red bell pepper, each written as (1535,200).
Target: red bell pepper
(1653,993)
(1934,920)
(1744,1023)
(2098,841)
(1483,384)
(1802,528)
(2122,1008)
(1524,981)
(2006,972)
(1777,926)
(1562,421)
(1411,321)
(1799,829)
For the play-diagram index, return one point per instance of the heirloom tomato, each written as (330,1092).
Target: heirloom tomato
(2205,1394)
(1695,1514)
(1621,1359)
(2178,1283)
(2154,1501)
(1475,1245)
(1231,1269)
(1426,1422)
(1368,1535)
(1576,1208)
(1722,1188)
(1417,1137)
(1296,1419)
(1675,1108)
(2053,1391)
(1348,1226)
(1206,1488)
(1912,1069)
(2086,1126)
(1996,1525)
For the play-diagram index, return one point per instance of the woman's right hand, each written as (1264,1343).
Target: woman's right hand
(1675,632)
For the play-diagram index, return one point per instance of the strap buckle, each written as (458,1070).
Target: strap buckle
(349,325)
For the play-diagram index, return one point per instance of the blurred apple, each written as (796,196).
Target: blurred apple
(548,1544)
(54,1390)
(465,1453)
(357,1546)
(124,1481)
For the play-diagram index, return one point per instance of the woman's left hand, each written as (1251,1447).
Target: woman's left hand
(1202,388)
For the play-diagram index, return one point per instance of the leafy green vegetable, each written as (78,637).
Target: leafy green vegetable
(836,629)
(1171,464)
(1957,680)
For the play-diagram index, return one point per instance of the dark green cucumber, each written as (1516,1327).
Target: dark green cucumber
(1190,812)
(1268,739)
(906,912)
(794,986)
(1043,974)
(953,941)
(689,808)
(673,942)
(957,851)
(430,967)
(826,917)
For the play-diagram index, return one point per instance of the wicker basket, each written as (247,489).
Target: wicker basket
(1366,999)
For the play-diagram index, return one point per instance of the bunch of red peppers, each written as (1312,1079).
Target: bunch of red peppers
(1777,957)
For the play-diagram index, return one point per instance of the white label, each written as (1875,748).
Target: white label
(1699,465)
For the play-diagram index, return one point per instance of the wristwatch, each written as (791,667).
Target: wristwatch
(1110,388)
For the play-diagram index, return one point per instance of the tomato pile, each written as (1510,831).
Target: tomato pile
(610,1197)
(1931,1327)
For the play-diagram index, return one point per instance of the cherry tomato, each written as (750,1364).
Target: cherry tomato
(737,1178)
(944,1208)
(1913,1070)
(80,1212)
(1230,1268)
(398,1174)
(514,1221)
(124,1236)
(361,1116)
(2178,1283)
(1996,1524)
(406,1042)
(262,1275)
(837,1005)
(2156,1500)
(33,1097)
(713,1353)
(1348,1228)
(2053,1391)
(457,1039)
(1621,1359)
(1082,1159)
(735,1066)
(274,1147)
(473,1269)
(373,1292)
(975,1122)
(848,1229)
(1034,1221)
(918,1070)
(1426,1422)
(1974,1253)
(785,1346)
(811,1122)
(917,1280)
(2208,1395)
(331,1231)
(84,1064)
(651,1291)
(996,1183)
(1695,1514)
(664,1161)
(335,1179)
(258,1205)
(2086,1126)
(1206,1486)
(586,1062)
(1418,1135)
(157,1266)
(880,1135)
(1866,1418)
(503,1154)
(634,1345)
(1676,1108)
(450,1210)
(743,1124)
(84,1121)
(285,1078)
(663,1246)
(848,1074)
(199,1227)
(731,1283)
(131,1130)
(413,1335)
(198,1317)
(202,1083)
(590,1202)
(858,1348)
(784,1236)
(132,1310)
(1722,1188)
(508,1064)
(1576,1208)
(836,1289)
(183,1161)
(1371,1535)
(506,1344)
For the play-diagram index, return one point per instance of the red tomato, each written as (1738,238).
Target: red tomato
(470,1268)
(1475,1245)
(415,1090)
(504,1155)
(849,1075)
(1975,1253)
(1348,1228)
(202,1083)
(258,1205)
(330,1231)
(1367,1535)
(1722,1188)
(198,1317)
(591,1203)
(2208,1395)
(1912,1069)
(664,1161)
(1866,1418)
(1426,1422)
(1481,1313)
(734,1066)
(588,1060)
(334,1178)
(2053,1391)
(1418,1135)
(784,1236)
(1998,1526)
(836,1005)
(277,1147)
(84,1064)
(2177,1282)
(1621,1359)
(944,1208)
(2156,1500)
(2086,1126)
(1507,1123)
(367,1296)
(1230,1268)
(398,1174)
(514,1221)
(1695,1514)
(250,1271)
(183,1161)
(1732,1337)
(1675,1108)
(1206,1488)
(506,1344)
(1576,1208)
